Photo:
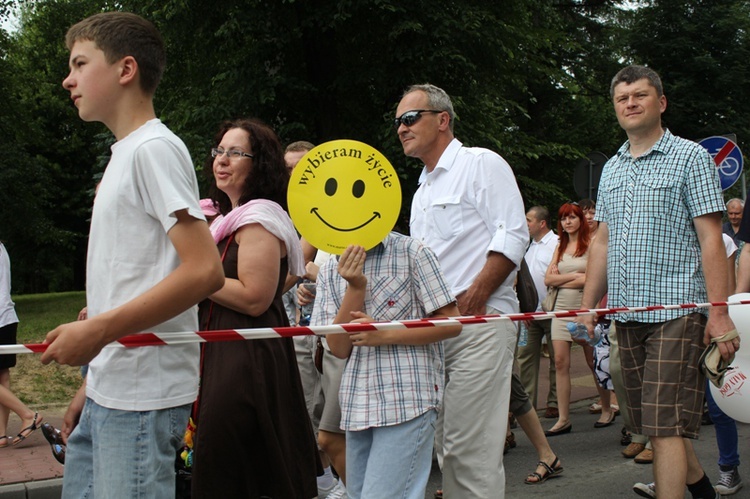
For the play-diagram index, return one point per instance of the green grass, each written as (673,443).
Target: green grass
(39,314)
(36,384)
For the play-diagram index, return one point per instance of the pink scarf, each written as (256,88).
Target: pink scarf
(273,218)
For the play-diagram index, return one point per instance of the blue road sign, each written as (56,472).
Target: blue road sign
(727,158)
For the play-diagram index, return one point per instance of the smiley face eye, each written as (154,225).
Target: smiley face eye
(358,189)
(331,186)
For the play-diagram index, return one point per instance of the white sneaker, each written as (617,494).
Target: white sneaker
(324,493)
(338,492)
(645,489)
(729,482)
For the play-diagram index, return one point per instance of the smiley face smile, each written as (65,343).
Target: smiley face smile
(375,215)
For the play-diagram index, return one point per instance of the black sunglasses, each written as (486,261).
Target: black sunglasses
(411,117)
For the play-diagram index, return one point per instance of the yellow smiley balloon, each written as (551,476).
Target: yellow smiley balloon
(344,192)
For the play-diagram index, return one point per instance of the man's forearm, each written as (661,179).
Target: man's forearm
(496,270)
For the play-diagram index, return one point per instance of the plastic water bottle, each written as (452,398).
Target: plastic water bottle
(579,332)
(523,336)
(306,311)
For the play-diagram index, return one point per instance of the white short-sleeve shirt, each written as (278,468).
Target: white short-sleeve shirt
(468,206)
(149,177)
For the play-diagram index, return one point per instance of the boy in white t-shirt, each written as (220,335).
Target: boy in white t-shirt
(151,258)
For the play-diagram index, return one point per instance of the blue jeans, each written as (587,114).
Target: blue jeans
(390,461)
(726,432)
(115,454)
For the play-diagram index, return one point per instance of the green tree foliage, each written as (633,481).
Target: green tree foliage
(529,80)
(701,49)
(47,156)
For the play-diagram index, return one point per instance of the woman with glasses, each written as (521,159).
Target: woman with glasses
(254,436)
(567,272)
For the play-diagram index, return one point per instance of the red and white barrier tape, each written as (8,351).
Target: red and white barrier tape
(181,338)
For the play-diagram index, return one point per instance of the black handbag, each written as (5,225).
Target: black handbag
(528,298)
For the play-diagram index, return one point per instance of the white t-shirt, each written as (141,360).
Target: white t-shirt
(468,206)
(149,177)
(7,310)
(729,245)
(538,257)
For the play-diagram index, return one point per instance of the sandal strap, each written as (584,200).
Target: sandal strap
(539,478)
(550,470)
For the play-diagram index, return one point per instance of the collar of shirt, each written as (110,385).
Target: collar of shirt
(662,146)
(546,239)
(446,161)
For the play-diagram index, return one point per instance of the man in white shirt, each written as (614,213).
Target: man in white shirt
(538,257)
(469,211)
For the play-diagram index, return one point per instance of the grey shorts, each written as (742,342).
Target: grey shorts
(663,383)
(519,399)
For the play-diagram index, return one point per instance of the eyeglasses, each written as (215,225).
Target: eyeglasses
(411,117)
(232,153)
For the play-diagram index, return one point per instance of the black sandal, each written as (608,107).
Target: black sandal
(549,472)
(35,425)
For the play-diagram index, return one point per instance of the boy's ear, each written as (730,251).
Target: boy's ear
(128,70)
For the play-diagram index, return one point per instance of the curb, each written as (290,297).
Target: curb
(40,489)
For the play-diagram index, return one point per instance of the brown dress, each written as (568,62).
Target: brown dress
(254,435)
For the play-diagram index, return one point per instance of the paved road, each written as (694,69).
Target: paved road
(594,467)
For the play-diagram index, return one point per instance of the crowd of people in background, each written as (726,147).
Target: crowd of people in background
(359,415)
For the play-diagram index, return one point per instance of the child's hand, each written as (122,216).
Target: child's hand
(367,338)
(350,267)
(304,296)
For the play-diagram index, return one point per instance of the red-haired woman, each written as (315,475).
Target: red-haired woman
(567,272)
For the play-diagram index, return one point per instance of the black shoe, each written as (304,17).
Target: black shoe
(604,424)
(626,437)
(559,431)
(54,437)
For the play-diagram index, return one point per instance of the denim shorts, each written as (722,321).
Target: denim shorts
(115,454)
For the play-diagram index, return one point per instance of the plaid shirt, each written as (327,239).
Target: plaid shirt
(391,384)
(648,204)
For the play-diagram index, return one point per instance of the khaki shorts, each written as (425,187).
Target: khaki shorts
(333,368)
(663,383)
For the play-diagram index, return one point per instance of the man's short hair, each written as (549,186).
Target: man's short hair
(542,213)
(437,99)
(300,145)
(122,34)
(634,73)
(735,200)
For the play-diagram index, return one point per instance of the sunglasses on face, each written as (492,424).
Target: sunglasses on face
(411,117)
